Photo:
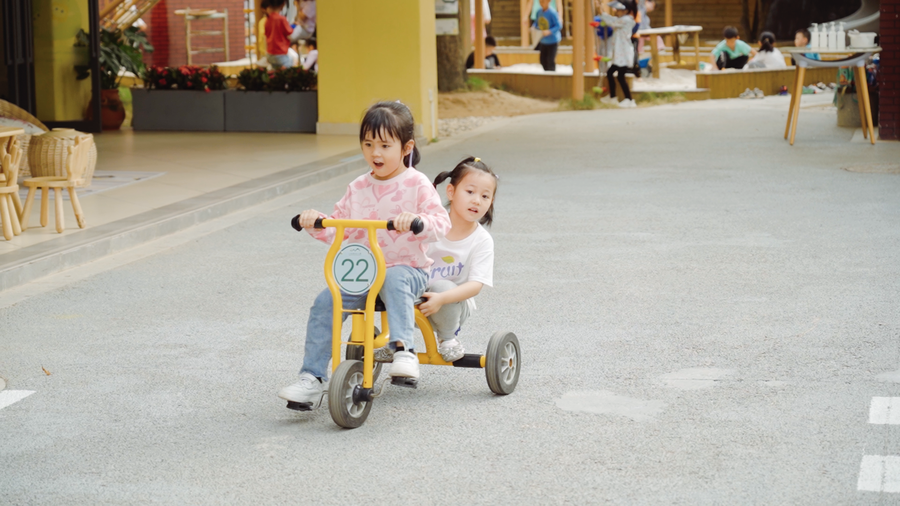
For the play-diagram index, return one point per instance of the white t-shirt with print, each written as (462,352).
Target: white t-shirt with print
(469,259)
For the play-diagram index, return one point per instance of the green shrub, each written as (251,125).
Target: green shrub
(186,77)
(284,79)
(477,84)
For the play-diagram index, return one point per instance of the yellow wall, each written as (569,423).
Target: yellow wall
(371,51)
(59,96)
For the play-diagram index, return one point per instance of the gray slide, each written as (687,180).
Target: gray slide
(866,19)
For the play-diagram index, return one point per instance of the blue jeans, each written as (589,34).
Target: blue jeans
(278,61)
(402,286)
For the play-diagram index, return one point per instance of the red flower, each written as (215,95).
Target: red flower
(203,79)
(162,82)
(207,89)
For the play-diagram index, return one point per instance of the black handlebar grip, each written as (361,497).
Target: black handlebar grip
(295,222)
(416,227)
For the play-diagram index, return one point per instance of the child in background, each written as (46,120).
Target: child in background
(278,35)
(731,53)
(623,50)
(547,21)
(311,59)
(463,259)
(801,39)
(490,59)
(392,189)
(768,56)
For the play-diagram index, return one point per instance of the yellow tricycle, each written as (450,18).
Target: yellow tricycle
(361,269)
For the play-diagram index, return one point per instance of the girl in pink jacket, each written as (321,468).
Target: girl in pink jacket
(392,189)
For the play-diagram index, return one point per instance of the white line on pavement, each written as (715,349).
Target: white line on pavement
(8,397)
(885,411)
(879,474)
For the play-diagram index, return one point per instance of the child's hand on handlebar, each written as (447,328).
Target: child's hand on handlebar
(308,218)
(403,221)
(432,305)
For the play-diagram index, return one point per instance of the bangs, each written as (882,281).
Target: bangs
(382,124)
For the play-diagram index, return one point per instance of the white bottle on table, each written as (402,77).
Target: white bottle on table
(841,38)
(832,36)
(814,35)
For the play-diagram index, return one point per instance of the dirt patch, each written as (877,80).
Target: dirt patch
(490,102)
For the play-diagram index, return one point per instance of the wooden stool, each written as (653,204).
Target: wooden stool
(10,157)
(76,164)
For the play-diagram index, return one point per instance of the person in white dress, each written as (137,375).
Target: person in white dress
(768,56)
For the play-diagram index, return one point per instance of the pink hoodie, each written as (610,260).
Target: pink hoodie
(368,198)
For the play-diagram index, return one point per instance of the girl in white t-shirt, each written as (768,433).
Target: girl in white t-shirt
(464,258)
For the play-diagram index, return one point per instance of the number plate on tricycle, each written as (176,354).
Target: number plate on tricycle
(355,269)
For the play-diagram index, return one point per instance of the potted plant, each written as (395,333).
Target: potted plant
(282,100)
(189,98)
(119,50)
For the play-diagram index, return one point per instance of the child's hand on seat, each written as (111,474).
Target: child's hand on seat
(432,305)
(403,221)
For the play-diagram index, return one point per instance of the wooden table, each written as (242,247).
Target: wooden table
(676,46)
(852,57)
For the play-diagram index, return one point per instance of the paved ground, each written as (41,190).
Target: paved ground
(706,314)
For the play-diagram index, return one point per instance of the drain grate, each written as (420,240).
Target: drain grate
(876,168)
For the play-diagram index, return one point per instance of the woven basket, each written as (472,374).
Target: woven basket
(48,152)
(9,110)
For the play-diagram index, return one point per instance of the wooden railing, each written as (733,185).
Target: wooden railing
(121,14)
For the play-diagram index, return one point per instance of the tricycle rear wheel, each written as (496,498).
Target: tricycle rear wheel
(502,362)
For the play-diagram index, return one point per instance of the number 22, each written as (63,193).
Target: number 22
(350,270)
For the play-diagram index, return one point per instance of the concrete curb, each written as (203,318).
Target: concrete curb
(34,262)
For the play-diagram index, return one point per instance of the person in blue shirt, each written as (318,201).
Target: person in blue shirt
(547,21)
(801,39)
(731,53)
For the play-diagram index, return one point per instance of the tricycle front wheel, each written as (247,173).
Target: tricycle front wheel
(503,362)
(346,409)
(357,352)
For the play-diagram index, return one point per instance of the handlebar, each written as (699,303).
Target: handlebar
(416,227)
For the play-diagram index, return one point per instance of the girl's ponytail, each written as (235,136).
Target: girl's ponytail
(766,42)
(441,177)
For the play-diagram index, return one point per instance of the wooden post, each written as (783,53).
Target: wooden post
(578,26)
(697,51)
(525,24)
(669,21)
(479,34)
(465,26)
(590,50)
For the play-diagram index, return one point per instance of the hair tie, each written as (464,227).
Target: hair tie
(476,160)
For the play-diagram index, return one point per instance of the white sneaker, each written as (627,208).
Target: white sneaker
(758,93)
(627,104)
(607,100)
(405,365)
(306,394)
(451,350)
(748,93)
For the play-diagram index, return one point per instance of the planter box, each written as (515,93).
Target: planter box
(277,111)
(179,110)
